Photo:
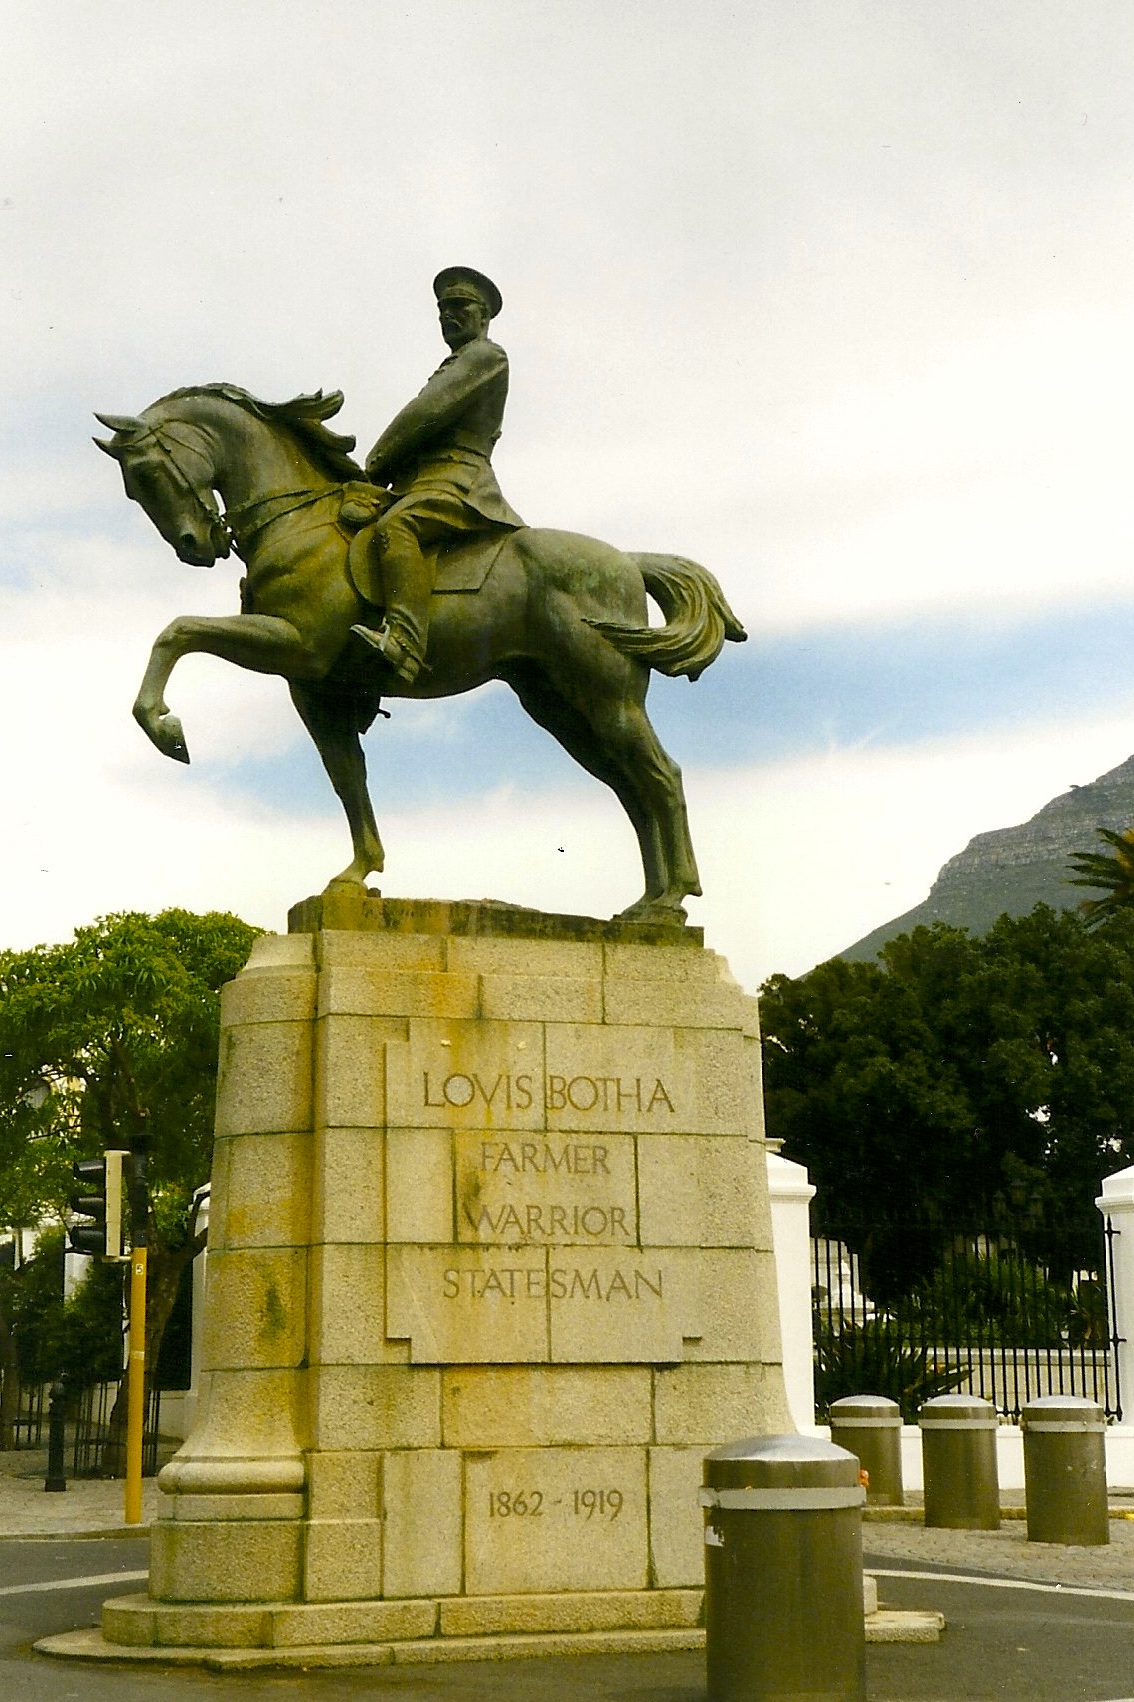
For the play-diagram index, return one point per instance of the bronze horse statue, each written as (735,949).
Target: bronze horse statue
(560,617)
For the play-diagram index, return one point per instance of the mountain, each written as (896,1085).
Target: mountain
(1014,868)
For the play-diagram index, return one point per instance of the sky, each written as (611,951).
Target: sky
(832,296)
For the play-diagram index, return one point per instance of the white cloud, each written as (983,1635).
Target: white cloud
(997,473)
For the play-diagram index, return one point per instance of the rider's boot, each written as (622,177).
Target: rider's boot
(407,584)
(392,643)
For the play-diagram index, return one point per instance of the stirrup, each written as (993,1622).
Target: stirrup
(392,649)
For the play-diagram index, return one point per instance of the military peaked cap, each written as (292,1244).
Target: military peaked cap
(463,281)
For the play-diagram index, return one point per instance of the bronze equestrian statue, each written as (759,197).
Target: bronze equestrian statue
(562,618)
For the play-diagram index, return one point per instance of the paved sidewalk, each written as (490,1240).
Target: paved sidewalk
(87,1507)
(890,1533)
(1005,1553)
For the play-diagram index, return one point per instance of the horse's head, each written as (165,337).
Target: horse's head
(168,470)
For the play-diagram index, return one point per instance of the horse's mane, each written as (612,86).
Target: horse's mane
(303,416)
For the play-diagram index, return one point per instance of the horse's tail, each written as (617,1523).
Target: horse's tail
(698,619)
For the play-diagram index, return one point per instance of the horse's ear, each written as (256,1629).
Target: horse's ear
(127,424)
(107,448)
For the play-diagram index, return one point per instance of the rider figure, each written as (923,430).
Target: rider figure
(436,458)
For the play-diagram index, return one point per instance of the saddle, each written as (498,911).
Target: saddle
(462,566)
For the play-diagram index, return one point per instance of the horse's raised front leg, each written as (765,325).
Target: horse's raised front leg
(262,643)
(333,725)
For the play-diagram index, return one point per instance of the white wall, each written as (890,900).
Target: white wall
(791,1192)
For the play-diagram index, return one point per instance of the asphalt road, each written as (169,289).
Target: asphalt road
(1036,1644)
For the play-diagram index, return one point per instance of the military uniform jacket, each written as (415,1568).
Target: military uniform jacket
(443,440)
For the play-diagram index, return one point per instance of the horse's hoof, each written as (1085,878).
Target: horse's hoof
(170,740)
(654,911)
(347,882)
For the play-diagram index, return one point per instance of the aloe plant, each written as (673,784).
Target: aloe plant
(874,1358)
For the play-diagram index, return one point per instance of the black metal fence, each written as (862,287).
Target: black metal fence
(95,1450)
(98,1452)
(29,1422)
(986,1318)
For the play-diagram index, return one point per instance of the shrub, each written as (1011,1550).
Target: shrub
(876,1358)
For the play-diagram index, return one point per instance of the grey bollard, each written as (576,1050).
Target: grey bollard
(870,1426)
(783,1572)
(958,1455)
(1065,1470)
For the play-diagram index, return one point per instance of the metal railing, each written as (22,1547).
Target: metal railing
(29,1424)
(97,1452)
(986,1319)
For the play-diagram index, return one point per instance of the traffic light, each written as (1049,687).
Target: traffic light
(98,1195)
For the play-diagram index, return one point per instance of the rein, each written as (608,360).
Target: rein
(243,534)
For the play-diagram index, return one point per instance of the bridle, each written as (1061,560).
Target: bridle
(237,528)
(163,438)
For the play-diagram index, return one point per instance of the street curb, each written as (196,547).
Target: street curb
(96,1533)
(916,1515)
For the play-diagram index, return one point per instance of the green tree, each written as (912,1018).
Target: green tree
(46,1336)
(106,1040)
(859,1088)
(959,1081)
(1112,872)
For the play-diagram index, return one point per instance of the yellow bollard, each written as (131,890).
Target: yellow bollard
(136,1386)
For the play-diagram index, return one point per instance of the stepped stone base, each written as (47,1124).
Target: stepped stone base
(92,1645)
(422,1633)
(139,1621)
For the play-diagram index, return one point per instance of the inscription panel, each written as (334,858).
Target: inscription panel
(546,1189)
(574,1305)
(536,1255)
(555,1519)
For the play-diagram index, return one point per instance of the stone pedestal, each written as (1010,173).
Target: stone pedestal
(490,1272)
